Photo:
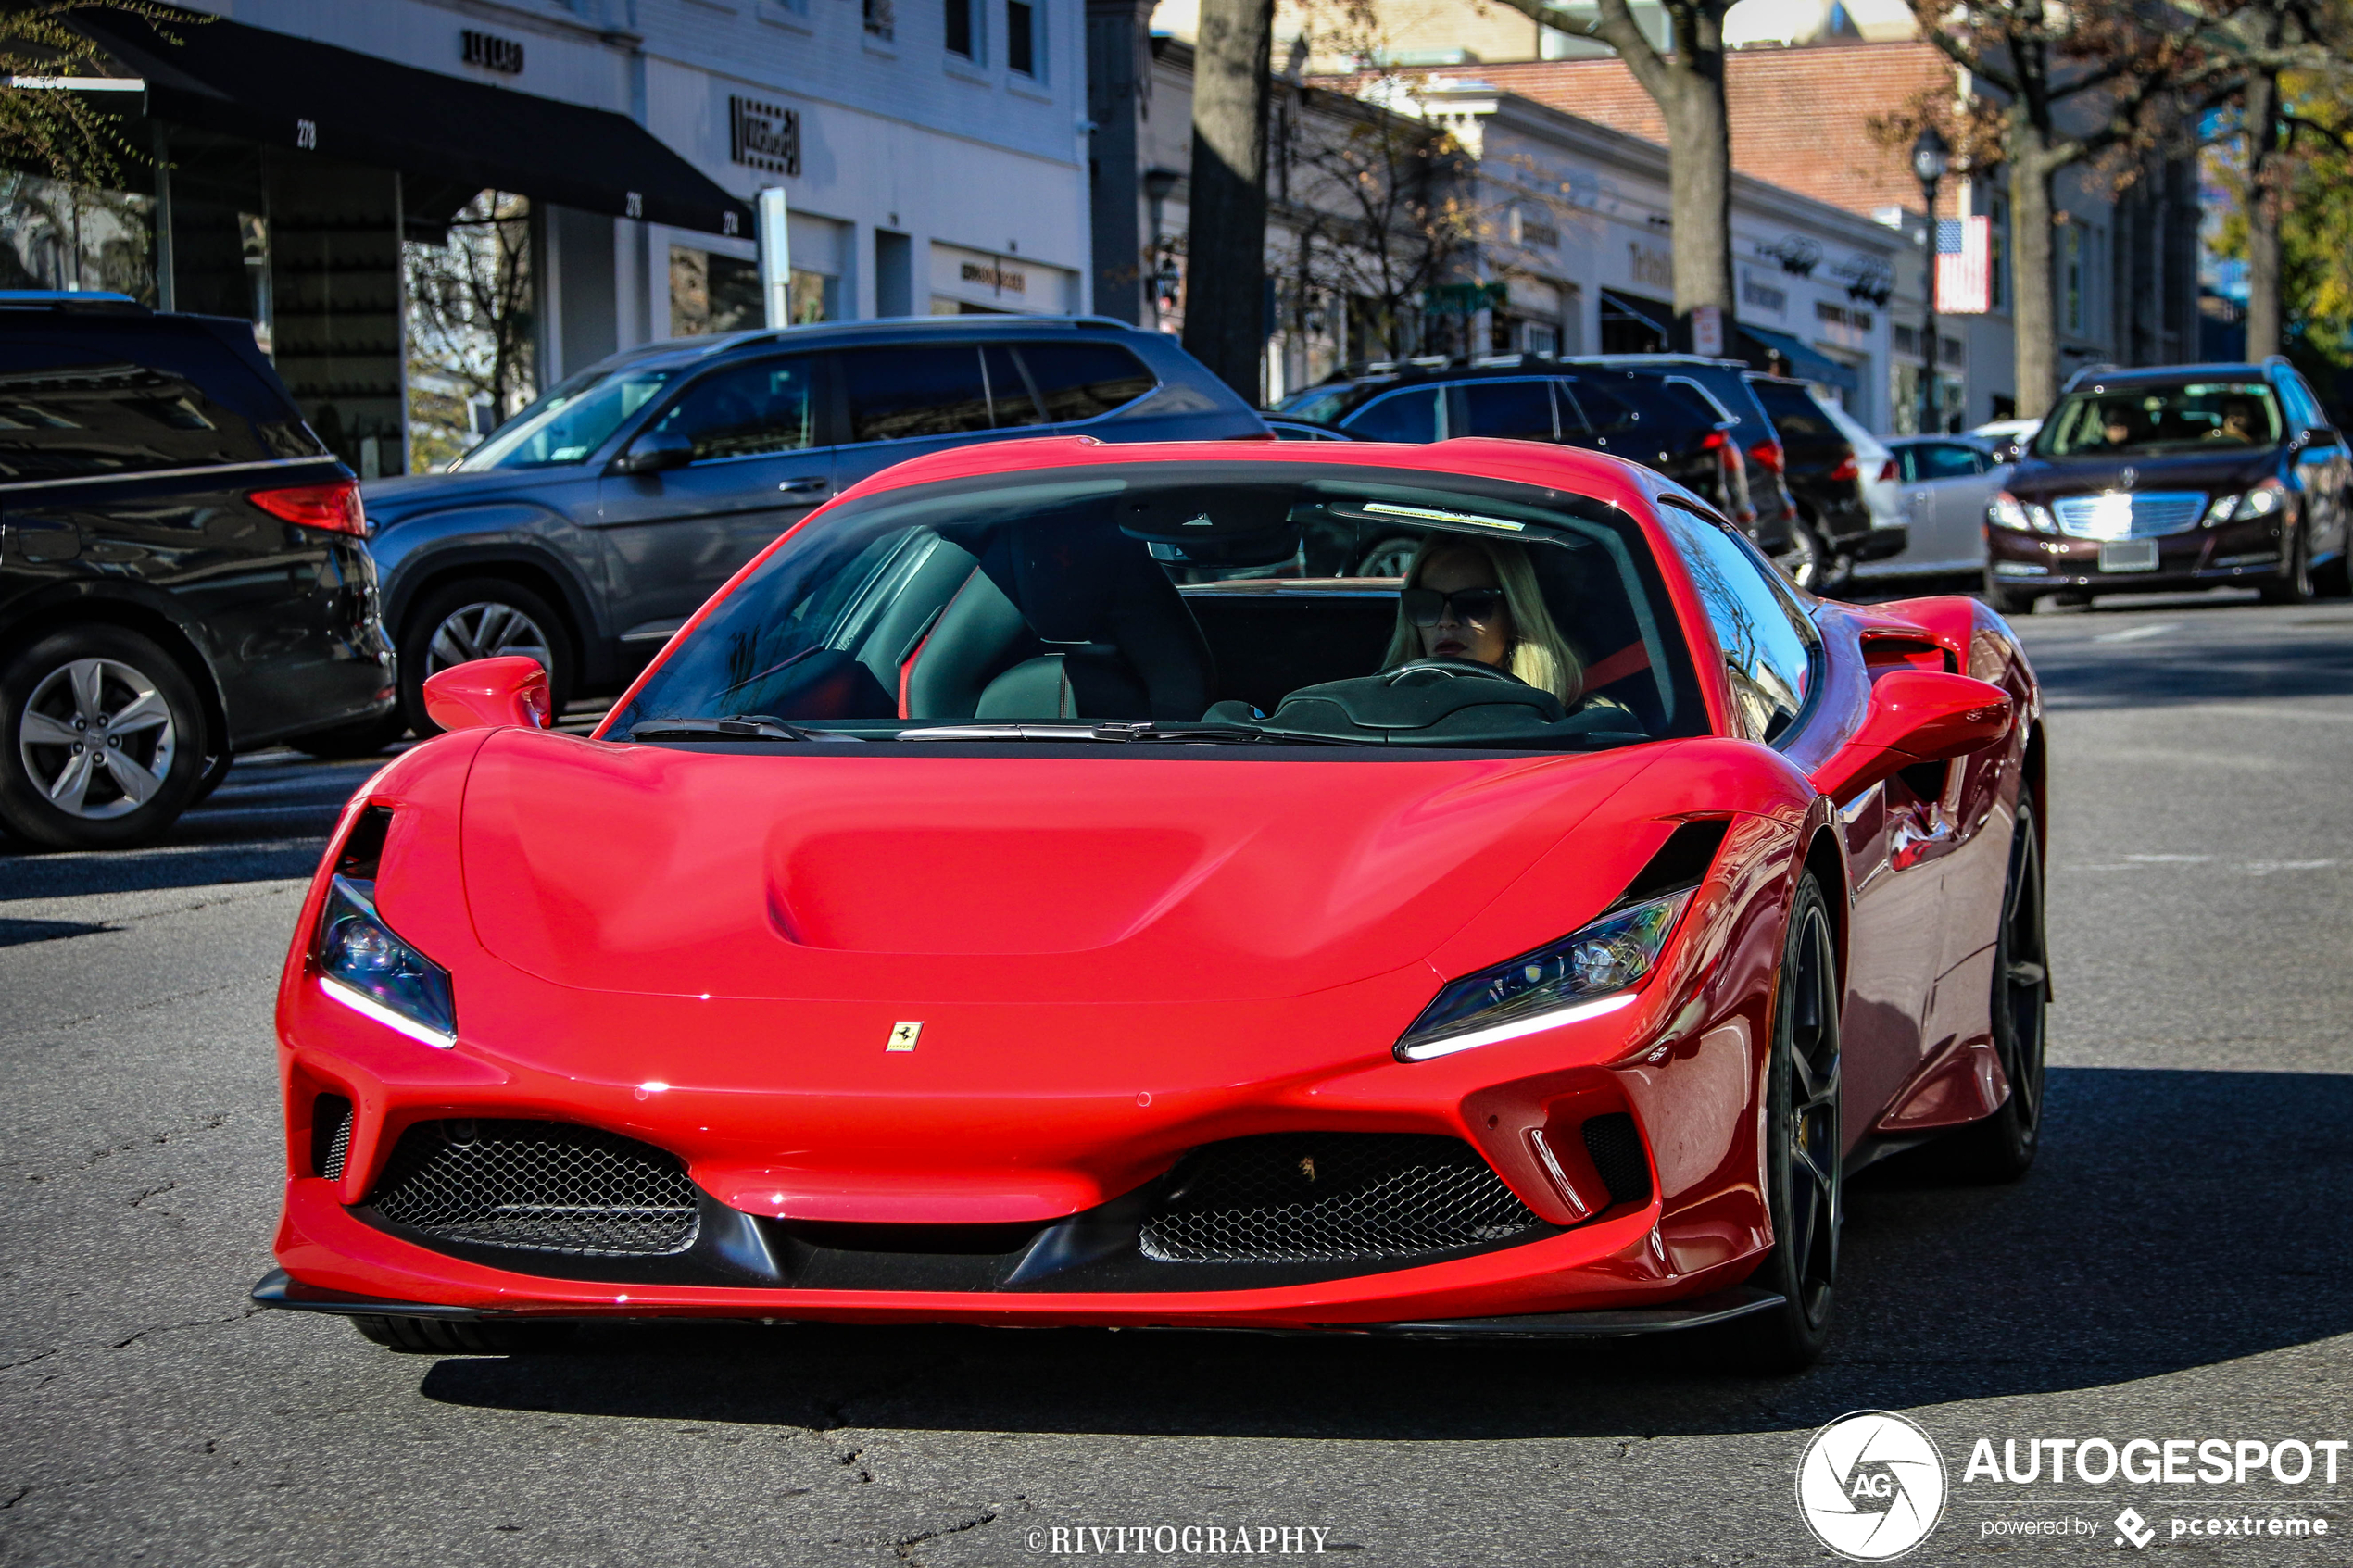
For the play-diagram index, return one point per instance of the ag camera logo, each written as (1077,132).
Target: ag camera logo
(1871,1485)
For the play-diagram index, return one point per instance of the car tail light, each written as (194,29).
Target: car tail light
(1767,455)
(1845,470)
(1887,474)
(1715,442)
(334,506)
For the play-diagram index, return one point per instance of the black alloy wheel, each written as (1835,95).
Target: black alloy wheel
(2006,599)
(1387,558)
(461,1337)
(2001,1147)
(1808,561)
(2294,584)
(102,739)
(1805,1184)
(479,618)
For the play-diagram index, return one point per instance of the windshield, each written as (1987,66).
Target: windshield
(1318,405)
(571,422)
(2189,417)
(1239,603)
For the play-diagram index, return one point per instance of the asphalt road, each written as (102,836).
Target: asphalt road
(2175,1268)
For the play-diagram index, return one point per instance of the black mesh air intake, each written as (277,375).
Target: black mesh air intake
(329,1135)
(1618,1154)
(546,1186)
(1318,1196)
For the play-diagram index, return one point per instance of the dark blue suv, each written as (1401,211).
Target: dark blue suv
(592,524)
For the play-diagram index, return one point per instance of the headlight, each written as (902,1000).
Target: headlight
(1529,992)
(2005,512)
(2262,501)
(367,969)
(2040,515)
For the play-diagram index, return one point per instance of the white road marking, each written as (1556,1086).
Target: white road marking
(2171,859)
(2135,635)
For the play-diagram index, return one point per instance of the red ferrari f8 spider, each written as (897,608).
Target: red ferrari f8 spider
(1450,890)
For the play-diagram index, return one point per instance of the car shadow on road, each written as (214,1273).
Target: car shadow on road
(2306,658)
(2176,1219)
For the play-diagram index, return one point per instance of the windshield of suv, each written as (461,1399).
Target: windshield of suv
(1196,602)
(568,423)
(2187,417)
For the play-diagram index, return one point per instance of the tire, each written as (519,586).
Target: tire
(216,770)
(2335,579)
(479,618)
(458,1336)
(2001,1147)
(1387,558)
(2294,584)
(2006,599)
(1804,1187)
(59,785)
(365,738)
(1809,562)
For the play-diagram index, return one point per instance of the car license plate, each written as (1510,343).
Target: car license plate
(2129,555)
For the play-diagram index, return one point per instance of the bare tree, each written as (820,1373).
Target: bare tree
(1687,83)
(1224,290)
(471,309)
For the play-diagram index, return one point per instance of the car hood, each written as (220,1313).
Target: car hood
(809,874)
(2042,479)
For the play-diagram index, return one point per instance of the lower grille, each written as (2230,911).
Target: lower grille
(1331,1196)
(1617,1151)
(545,1186)
(329,1135)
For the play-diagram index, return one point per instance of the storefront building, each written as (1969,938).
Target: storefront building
(933,160)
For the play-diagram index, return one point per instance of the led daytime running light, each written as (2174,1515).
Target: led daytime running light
(364,965)
(1590,970)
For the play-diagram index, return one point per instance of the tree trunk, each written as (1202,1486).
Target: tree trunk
(2034,318)
(1699,162)
(2266,181)
(1226,243)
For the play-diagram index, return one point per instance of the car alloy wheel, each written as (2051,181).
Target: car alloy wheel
(2001,1147)
(2294,584)
(1807,561)
(1805,1188)
(1391,558)
(96,738)
(101,739)
(488,629)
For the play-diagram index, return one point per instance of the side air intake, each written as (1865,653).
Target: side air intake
(544,1186)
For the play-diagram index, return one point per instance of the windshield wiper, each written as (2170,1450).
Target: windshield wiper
(740,726)
(1123,730)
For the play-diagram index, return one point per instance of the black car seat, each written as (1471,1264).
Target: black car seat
(1063,618)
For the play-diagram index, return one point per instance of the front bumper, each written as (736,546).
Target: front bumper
(2196,557)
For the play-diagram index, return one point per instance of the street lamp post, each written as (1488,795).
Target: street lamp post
(1931,157)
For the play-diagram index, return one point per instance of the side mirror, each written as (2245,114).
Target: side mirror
(656,451)
(488,693)
(1916,715)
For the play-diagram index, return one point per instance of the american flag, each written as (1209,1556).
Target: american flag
(1964,266)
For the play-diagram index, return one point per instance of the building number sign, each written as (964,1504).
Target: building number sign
(763,136)
(491,51)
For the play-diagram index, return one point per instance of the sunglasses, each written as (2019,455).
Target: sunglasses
(1427,607)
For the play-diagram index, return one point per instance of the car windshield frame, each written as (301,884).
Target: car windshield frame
(2076,428)
(583,411)
(710,672)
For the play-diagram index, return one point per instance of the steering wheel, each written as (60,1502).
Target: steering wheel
(1470,667)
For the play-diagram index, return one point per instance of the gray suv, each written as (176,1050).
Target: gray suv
(588,527)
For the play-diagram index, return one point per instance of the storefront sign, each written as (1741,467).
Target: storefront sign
(995,275)
(763,136)
(1654,268)
(491,51)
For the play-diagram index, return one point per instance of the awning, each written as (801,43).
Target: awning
(1798,357)
(306,97)
(1658,317)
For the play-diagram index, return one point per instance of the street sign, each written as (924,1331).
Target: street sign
(1707,331)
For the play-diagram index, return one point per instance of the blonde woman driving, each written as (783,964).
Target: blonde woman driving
(1479,599)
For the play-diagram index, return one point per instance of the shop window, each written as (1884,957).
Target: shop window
(1021,38)
(959,29)
(879,19)
(710,293)
(815,296)
(55,236)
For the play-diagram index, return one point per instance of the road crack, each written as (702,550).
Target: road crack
(907,1544)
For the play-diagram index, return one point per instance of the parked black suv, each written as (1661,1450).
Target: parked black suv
(1834,528)
(1777,526)
(1665,422)
(589,526)
(2182,476)
(182,572)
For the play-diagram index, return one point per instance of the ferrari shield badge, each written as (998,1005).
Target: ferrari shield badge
(903,1035)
